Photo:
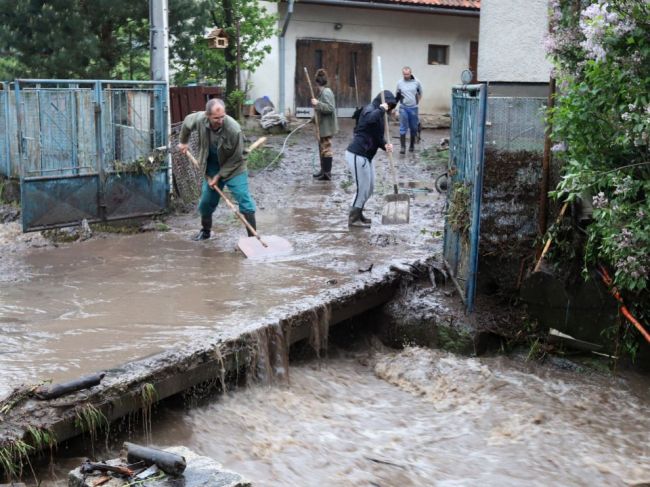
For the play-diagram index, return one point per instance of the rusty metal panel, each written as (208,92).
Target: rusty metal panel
(82,144)
(58,202)
(129,195)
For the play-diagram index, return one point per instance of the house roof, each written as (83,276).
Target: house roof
(459,4)
(447,4)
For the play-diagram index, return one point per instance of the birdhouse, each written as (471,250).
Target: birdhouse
(217,39)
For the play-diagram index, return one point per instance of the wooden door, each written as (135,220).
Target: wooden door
(343,61)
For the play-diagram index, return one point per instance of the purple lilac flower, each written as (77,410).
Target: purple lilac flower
(559,147)
(600,201)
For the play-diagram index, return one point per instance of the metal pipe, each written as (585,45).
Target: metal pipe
(546,164)
(404,8)
(282,47)
(89,82)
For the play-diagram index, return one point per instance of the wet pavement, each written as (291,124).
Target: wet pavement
(87,306)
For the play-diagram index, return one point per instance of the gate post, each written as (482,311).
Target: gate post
(99,143)
(475,229)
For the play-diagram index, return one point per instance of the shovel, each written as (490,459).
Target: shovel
(253,246)
(397,207)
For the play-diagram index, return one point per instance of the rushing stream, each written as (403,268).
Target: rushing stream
(423,418)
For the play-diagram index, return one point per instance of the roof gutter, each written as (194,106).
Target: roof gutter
(391,6)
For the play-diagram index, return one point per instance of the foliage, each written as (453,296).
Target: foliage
(12,455)
(194,61)
(89,420)
(79,39)
(459,207)
(601,123)
(262,157)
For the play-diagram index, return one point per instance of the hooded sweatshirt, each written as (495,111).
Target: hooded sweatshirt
(369,131)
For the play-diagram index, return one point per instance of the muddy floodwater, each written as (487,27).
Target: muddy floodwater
(91,305)
(422,418)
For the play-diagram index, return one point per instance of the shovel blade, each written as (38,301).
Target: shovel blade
(253,248)
(396,211)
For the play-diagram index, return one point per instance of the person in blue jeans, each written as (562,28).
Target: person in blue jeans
(409,94)
(221,155)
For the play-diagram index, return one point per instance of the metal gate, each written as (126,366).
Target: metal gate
(85,150)
(462,221)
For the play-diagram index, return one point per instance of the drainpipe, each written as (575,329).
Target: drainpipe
(282,55)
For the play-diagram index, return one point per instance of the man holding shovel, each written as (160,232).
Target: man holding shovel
(221,160)
(369,135)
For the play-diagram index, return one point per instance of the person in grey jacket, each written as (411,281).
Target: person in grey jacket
(409,93)
(221,148)
(325,111)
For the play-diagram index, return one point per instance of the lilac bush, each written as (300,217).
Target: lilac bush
(601,125)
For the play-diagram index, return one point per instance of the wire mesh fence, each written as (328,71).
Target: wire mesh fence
(515,124)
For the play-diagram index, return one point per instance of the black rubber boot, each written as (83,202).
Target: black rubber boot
(206,226)
(354,219)
(412,144)
(402,144)
(327,170)
(363,218)
(250,218)
(319,173)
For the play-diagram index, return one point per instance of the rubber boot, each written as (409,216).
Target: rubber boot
(250,218)
(206,226)
(412,144)
(354,219)
(327,170)
(320,172)
(363,218)
(402,144)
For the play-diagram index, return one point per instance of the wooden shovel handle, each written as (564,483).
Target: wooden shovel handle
(191,157)
(311,91)
(386,129)
(255,145)
(547,246)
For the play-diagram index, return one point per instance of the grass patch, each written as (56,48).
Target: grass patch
(41,438)
(123,228)
(13,453)
(431,156)
(161,227)
(89,420)
(260,158)
(149,394)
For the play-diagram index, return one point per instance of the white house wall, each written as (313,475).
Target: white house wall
(511,42)
(400,38)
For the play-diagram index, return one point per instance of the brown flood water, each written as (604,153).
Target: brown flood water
(422,418)
(92,305)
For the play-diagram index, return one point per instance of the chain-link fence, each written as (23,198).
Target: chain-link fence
(515,124)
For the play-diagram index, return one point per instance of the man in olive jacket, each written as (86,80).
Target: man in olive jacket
(325,111)
(221,149)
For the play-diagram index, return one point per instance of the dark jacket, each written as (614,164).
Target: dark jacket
(369,131)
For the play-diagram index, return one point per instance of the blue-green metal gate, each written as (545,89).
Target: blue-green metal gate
(80,143)
(462,222)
